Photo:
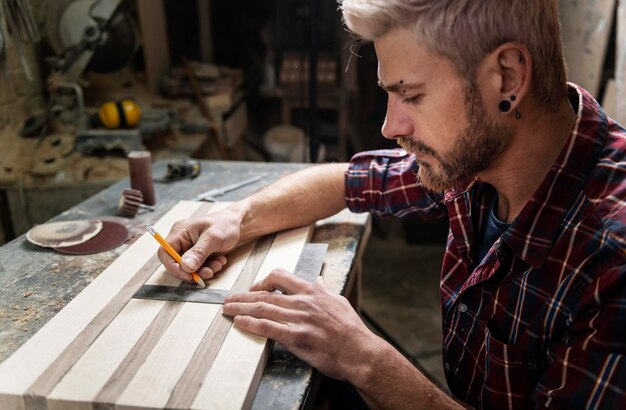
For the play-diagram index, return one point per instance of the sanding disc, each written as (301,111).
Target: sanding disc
(113,234)
(66,233)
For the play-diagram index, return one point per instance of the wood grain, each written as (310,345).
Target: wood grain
(137,353)
(188,386)
(232,374)
(23,369)
(95,359)
(154,382)
(116,384)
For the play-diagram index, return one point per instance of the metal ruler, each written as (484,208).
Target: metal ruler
(309,267)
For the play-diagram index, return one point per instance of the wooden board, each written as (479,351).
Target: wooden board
(585,29)
(609,102)
(107,350)
(153,23)
(620,65)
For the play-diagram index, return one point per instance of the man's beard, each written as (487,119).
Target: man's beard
(474,150)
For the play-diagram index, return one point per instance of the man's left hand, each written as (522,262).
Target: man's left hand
(313,323)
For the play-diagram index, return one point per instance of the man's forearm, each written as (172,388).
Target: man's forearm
(390,381)
(295,200)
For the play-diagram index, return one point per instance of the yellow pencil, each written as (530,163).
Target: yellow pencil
(173,253)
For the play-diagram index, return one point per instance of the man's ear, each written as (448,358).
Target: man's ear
(512,72)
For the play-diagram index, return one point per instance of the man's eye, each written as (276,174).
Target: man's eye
(412,100)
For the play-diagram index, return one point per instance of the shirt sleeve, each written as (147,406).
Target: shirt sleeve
(588,368)
(385,183)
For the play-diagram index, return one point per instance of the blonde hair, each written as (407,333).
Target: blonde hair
(466,31)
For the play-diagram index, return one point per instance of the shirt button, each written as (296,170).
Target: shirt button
(462,308)
(446,366)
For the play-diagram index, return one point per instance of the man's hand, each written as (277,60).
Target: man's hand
(297,199)
(198,240)
(321,328)
(318,326)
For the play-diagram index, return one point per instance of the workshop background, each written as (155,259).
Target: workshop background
(243,80)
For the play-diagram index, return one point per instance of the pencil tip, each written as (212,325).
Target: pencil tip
(201,282)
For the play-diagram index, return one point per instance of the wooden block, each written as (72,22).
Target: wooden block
(235,125)
(221,101)
(105,349)
(585,29)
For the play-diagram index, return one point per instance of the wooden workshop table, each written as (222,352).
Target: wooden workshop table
(36,283)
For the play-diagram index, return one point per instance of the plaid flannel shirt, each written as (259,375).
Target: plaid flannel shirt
(541,320)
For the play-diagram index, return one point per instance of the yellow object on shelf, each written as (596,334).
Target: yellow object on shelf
(120,114)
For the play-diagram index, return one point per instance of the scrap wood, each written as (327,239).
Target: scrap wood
(204,108)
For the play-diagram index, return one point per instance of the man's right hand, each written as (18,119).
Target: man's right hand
(298,199)
(201,241)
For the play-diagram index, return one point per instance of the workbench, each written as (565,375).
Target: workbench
(36,283)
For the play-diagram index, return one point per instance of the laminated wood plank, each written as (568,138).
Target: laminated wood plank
(187,387)
(104,356)
(112,366)
(229,376)
(152,385)
(137,353)
(37,360)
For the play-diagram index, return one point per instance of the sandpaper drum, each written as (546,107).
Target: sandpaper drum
(140,167)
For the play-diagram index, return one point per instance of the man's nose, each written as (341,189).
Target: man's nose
(397,124)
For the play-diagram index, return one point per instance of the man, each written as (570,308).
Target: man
(530,172)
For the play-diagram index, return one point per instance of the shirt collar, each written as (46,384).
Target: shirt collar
(533,231)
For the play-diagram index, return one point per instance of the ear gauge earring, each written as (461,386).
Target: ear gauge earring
(505,106)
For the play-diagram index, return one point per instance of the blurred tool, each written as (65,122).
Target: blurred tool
(22,28)
(130,202)
(97,36)
(21,21)
(173,254)
(140,167)
(179,170)
(34,125)
(141,125)
(210,196)
(89,35)
(125,113)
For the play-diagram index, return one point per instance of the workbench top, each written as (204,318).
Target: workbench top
(36,283)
